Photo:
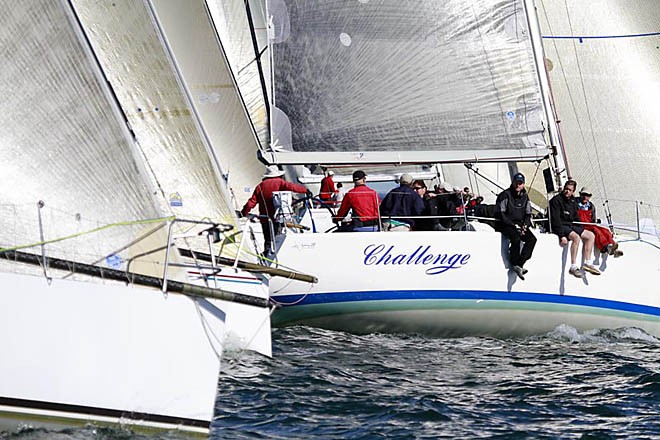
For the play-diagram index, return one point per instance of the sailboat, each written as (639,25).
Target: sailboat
(460,87)
(116,191)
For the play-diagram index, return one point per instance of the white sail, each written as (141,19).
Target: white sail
(96,127)
(235,28)
(604,67)
(137,67)
(61,142)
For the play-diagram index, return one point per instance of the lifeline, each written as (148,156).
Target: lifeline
(375,254)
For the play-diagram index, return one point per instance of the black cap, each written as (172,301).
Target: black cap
(358,175)
(518,177)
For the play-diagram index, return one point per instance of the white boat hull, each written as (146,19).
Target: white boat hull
(78,352)
(457,283)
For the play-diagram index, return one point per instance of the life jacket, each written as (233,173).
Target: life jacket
(585,215)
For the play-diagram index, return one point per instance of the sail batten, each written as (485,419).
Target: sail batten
(424,79)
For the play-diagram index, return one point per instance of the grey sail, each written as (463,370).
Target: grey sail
(604,67)
(395,82)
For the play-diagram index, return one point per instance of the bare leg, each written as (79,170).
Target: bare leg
(575,245)
(588,246)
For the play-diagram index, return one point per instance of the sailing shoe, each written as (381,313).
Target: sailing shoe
(612,248)
(618,253)
(519,271)
(590,268)
(575,272)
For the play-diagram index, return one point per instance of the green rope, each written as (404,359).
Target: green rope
(91,231)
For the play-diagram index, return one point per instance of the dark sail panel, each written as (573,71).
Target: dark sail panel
(404,77)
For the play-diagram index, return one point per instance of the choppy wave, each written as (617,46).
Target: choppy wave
(322,384)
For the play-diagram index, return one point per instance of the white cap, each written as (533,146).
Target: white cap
(273,171)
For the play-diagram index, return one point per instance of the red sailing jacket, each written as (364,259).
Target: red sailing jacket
(327,188)
(263,195)
(363,200)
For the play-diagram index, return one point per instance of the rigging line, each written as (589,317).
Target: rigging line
(586,104)
(100,228)
(520,67)
(116,251)
(252,61)
(568,89)
(207,330)
(594,37)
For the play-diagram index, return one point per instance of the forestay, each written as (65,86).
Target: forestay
(391,82)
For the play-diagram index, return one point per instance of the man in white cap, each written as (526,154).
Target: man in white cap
(400,205)
(263,196)
(604,240)
(328,193)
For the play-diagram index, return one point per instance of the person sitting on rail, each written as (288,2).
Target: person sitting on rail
(603,236)
(563,217)
(514,220)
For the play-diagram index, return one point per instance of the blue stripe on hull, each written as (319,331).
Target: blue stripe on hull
(385,296)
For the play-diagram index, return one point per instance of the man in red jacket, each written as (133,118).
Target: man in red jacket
(328,191)
(363,201)
(263,196)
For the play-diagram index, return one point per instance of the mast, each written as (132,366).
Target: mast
(558,158)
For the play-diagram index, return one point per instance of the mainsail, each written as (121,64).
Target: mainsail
(393,82)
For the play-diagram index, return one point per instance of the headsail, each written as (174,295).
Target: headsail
(603,62)
(61,142)
(391,82)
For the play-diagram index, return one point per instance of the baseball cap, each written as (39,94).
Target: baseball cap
(518,177)
(405,179)
(358,175)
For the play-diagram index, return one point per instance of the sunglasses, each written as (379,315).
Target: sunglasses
(417,188)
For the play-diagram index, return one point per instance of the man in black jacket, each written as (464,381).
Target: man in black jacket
(563,218)
(514,218)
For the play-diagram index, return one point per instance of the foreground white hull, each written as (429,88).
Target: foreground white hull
(77,352)
(456,283)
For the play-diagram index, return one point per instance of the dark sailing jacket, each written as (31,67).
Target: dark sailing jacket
(563,212)
(402,202)
(513,208)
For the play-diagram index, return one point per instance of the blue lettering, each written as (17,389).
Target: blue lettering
(423,261)
(399,259)
(370,253)
(386,256)
(409,261)
(439,259)
(375,254)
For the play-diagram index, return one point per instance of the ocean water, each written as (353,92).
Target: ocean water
(331,385)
